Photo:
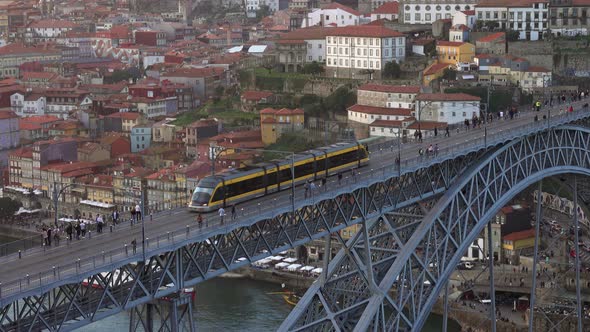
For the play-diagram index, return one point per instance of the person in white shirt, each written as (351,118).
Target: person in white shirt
(83,228)
(138,212)
(221,214)
(99,222)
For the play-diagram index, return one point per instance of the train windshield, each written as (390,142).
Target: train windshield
(202,195)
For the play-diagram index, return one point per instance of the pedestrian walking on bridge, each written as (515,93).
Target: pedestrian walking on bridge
(233,212)
(221,214)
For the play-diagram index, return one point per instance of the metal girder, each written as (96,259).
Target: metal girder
(411,278)
(173,314)
(124,287)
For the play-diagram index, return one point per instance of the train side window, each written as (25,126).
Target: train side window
(218,195)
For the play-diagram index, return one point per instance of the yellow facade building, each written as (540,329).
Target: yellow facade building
(455,52)
(274,123)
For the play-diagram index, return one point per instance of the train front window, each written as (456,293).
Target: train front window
(202,195)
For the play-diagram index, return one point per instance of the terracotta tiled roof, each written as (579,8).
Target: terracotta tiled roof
(537,69)
(25,152)
(520,235)
(7,115)
(469,12)
(435,68)
(53,24)
(256,95)
(110,139)
(28,126)
(380,110)
(125,115)
(390,88)
(31,75)
(336,5)
(387,123)
(449,43)
(41,119)
(365,31)
(492,37)
(307,33)
(16,48)
(279,27)
(447,97)
(387,8)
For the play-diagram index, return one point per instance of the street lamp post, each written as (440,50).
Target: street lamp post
(56,195)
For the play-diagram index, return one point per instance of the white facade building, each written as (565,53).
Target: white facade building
(354,51)
(426,12)
(30,104)
(528,17)
(368,114)
(474,253)
(316,50)
(449,108)
(252,5)
(335,15)
(466,17)
(46,29)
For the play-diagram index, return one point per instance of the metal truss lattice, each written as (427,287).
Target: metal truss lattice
(403,282)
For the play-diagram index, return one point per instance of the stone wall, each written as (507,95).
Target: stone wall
(539,53)
(566,57)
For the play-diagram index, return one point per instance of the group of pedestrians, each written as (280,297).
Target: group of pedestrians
(78,228)
(431,151)
(50,234)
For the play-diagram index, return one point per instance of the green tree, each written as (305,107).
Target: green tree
(8,207)
(449,74)
(491,25)
(512,35)
(479,25)
(263,11)
(392,70)
(313,68)
(341,99)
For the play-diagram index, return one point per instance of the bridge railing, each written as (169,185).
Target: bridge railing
(82,267)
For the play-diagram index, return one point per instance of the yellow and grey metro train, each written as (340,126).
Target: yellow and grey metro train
(245,183)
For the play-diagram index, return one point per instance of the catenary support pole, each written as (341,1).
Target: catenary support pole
(538,218)
(492,287)
(577,226)
(446,308)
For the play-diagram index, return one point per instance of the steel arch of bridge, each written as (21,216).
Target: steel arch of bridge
(384,279)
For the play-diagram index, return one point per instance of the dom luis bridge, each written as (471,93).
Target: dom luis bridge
(417,217)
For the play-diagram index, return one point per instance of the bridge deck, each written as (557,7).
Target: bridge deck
(38,264)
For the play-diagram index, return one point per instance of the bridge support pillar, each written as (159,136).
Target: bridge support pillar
(172,314)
